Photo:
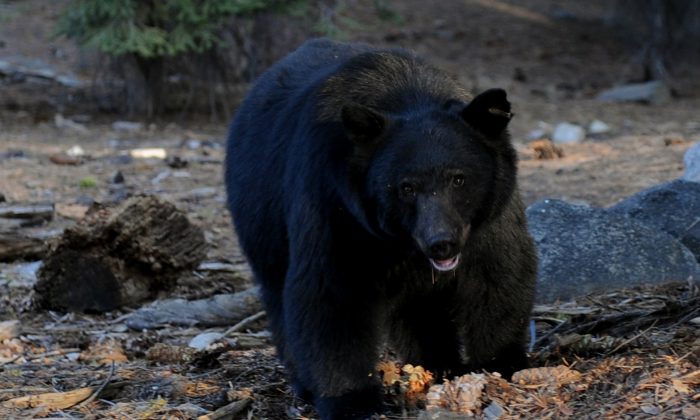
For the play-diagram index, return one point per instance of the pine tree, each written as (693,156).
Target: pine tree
(143,33)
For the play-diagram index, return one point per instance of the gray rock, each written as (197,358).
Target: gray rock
(584,250)
(691,161)
(598,127)
(654,92)
(673,207)
(203,340)
(568,133)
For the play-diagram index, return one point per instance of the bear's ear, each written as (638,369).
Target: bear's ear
(489,112)
(362,124)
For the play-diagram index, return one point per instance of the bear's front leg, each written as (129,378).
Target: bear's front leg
(332,336)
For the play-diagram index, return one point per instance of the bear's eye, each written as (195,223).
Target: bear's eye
(407,189)
(458,180)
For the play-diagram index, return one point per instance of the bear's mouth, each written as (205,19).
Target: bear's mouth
(448,264)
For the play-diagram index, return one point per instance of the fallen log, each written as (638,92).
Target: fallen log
(119,256)
(218,310)
(14,246)
(13,216)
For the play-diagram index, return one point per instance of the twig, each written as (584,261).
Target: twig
(244,322)
(24,389)
(550,332)
(227,411)
(12,360)
(39,356)
(626,342)
(60,352)
(548,319)
(94,395)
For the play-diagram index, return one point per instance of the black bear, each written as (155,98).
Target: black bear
(376,202)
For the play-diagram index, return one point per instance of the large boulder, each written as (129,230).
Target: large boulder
(584,250)
(673,207)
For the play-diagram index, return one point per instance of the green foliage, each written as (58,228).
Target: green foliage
(156,28)
(87,182)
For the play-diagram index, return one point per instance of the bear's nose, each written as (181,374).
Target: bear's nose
(442,248)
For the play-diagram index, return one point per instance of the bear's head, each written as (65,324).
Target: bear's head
(434,176)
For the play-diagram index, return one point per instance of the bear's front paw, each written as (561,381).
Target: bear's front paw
(360,404)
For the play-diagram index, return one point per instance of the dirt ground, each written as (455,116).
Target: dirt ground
(551,56)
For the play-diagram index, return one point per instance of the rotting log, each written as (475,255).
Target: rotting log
(119,256)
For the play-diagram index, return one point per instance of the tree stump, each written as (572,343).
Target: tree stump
(119,256)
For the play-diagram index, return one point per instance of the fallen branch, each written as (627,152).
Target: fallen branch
(244,322)
(227,411)
(27,211)
(100,389)
(54,353)
(626,342)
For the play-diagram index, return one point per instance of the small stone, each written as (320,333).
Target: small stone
(598,127)
(691,161)
(193,144)
(695,321)
(117,178)
(203,192)
(75,151)
(204,340)
(654,92)
(543,130)
(566,133)
(494,411)
(126,126)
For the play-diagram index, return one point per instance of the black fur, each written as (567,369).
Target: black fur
(347,170)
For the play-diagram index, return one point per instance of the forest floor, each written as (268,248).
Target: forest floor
(637,351)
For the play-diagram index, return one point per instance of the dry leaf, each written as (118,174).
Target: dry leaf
(681,387)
